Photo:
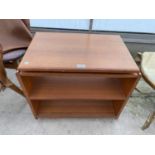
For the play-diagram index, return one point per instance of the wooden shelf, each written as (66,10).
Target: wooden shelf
(75,109)
(77,95)
(76,88)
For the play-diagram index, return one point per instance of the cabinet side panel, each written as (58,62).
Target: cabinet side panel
(26,84)
(128,85)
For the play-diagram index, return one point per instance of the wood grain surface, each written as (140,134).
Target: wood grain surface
(64,52)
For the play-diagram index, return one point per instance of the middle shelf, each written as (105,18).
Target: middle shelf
(96,88)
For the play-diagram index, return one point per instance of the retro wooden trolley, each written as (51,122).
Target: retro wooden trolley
(77,75)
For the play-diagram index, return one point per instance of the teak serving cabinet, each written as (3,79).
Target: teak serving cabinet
(77,75)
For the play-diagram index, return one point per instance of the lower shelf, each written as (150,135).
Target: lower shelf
(75,109)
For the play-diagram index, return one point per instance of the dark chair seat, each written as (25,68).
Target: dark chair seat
(13,55)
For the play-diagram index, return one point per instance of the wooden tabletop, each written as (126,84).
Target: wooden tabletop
(51,51)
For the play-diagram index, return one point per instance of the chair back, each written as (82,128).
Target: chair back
(14,34)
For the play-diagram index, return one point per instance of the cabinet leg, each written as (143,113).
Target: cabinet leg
(36,117)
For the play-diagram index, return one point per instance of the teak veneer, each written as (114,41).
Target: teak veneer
(77,75)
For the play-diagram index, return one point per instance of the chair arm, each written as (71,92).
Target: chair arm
(3,76)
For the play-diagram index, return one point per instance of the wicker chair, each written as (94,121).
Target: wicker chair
(147,66)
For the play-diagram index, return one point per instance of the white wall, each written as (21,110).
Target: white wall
(125,25)
(61,23)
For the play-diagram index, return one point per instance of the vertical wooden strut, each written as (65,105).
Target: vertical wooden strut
(90,25)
